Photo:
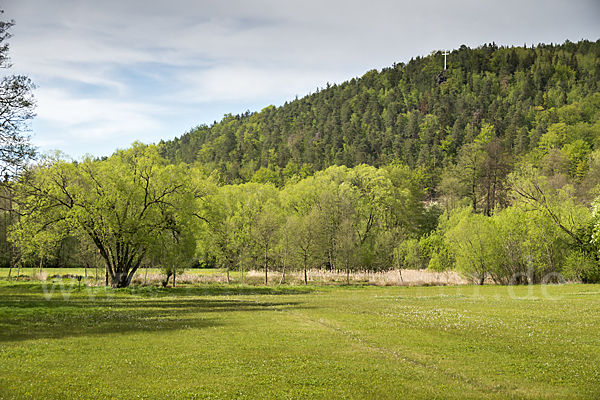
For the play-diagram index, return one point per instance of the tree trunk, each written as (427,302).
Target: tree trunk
(121,280)
(242,268)
(283,275)
(474,198)
(333,267)
(228,282)
(305,279)
(348,276)
(175,275)
(266,277)
(166,282)
(10,247)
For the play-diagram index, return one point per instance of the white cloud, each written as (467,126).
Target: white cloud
(93,122)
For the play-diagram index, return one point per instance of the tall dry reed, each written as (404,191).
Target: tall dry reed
(405,277)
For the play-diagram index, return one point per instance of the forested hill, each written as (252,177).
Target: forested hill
(416,113)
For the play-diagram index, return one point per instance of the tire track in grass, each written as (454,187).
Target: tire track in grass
(475,385)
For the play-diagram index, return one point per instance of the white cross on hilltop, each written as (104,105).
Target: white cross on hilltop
(445,54)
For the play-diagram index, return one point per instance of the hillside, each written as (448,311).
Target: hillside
(415,112)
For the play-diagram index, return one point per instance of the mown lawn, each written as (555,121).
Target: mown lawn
(291,342)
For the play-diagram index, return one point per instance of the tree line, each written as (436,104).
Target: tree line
(134,209)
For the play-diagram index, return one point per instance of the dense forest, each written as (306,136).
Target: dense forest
(415,113)
(490,167)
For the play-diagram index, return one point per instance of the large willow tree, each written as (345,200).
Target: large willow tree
(125,204)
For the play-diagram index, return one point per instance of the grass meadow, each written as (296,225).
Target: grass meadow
(222,341)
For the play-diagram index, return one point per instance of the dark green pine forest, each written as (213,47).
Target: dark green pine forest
(490,167)
(420,115)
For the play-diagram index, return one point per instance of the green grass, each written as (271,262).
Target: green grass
(293,342)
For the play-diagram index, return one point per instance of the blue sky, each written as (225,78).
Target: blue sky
(109,73)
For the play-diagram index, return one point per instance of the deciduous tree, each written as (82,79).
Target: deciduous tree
(124,204)
(16,109)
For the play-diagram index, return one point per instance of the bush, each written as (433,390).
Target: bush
(411,256)
(581,266)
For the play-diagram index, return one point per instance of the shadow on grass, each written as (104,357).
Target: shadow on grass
(224,290)
(181,290)
(27,311)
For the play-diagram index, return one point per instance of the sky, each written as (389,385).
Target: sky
(109,73)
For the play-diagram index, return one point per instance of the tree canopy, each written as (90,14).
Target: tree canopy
(124,204)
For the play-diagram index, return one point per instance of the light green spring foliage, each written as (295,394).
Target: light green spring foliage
(543,233)
(475,245)
(135,209)
(173,251)
(232,216)
(341,217)
(125,204)
(596,221)
(507,246)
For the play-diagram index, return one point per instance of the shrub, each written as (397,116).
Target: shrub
(581,266)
